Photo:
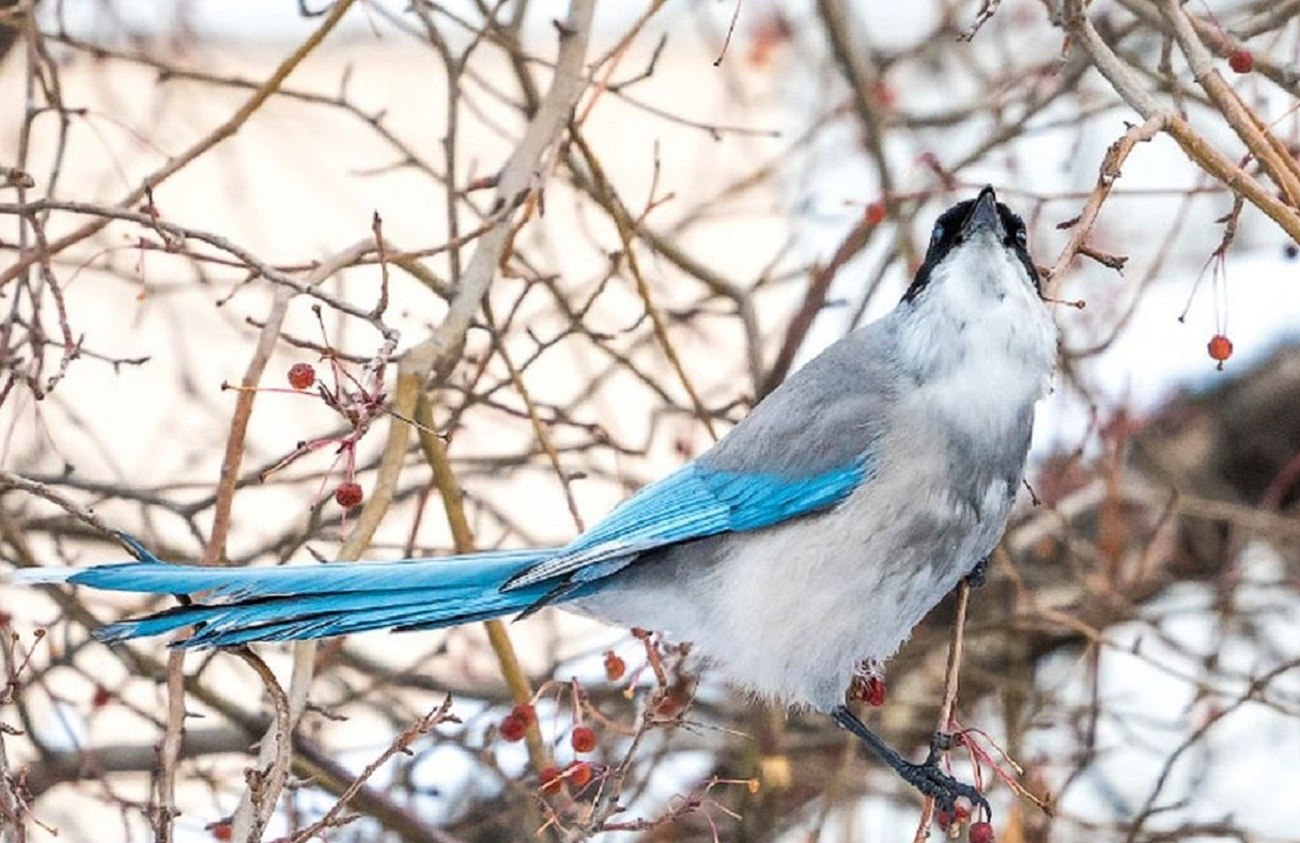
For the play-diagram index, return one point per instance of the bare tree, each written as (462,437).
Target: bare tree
(446,277)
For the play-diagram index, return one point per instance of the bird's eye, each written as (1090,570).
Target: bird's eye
(936,235)
(1021,236)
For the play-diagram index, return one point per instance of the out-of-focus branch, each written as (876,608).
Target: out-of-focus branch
(814,299)
(179,162)
(864,80)
(622,220)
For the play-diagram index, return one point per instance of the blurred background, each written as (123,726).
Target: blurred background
(594,234)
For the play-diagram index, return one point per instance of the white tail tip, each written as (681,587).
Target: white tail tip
(37,576)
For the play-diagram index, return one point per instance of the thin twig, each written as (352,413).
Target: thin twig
(950,682)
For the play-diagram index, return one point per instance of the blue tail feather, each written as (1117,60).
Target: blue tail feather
(240,605)
(153,576)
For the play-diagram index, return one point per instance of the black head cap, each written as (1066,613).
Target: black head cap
(960,222)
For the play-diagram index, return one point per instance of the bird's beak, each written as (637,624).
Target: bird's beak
(984,216)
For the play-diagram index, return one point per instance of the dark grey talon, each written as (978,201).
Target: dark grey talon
(930,780)
(926,777)
(979,574)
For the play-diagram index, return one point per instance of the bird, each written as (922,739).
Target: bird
(809,540)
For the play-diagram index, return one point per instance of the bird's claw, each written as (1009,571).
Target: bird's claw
(979,574)
(927,777)
(930,780)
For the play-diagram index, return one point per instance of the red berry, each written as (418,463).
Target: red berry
(614,666)
(525,712)
(583,739)
(869,689)
(875,212)
(513,728)
(1241,61)
(981,833)
(101,697)
(1220,347)
(301,376)
(550,779)
(674,701)
(348,495)
(959,815)
(222,830)
(579,773)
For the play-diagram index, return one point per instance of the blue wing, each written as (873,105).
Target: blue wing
(694,502)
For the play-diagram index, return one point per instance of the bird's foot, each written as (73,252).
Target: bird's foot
(927,777)
(930,779)
(979,574)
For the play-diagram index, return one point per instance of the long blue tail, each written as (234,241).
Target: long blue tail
(316,601)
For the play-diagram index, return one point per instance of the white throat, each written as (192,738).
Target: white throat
(978,339)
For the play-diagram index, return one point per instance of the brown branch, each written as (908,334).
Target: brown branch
(266,781)
(814,299)
(1271,154)
(1131,89)
(951,675)
(1107,174)
(179,162)
(331,818)
(626,232)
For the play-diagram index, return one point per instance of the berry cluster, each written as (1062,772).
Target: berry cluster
(515,724)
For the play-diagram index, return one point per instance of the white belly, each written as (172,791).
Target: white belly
(789,611)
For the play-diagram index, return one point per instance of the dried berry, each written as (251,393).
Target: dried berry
(583,739)
(1241,61)
(981,833)
(302,376)
(513,727)
(674,701)
(614,666)
(100,697)
(348,495)
(875,212)
(874,693)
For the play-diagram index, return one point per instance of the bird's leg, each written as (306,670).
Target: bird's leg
(926,776)
(979,573)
